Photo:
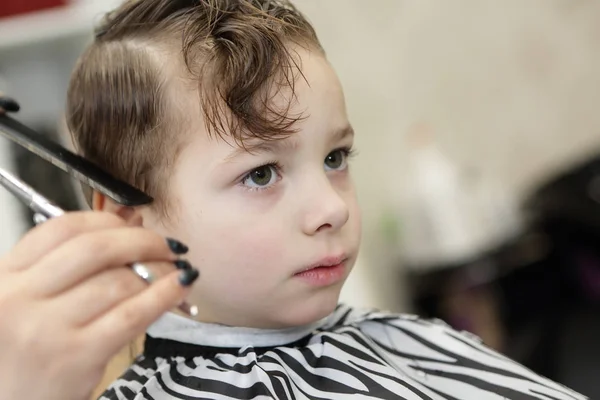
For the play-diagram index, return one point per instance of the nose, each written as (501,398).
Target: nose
(325,209)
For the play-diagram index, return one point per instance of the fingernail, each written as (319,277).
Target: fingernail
(188,276)
(9,104)
(176,246)
(182,264)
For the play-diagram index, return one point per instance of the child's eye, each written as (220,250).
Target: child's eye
(261,177)
(337,160)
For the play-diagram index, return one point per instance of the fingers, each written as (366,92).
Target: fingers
(90,253)
(8,104)
(102,292)
(132,317)
(42,239)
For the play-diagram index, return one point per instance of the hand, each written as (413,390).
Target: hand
(69,302)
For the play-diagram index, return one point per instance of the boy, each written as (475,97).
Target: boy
(229,115)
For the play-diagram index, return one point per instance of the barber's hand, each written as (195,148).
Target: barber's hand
(8,104)
(69,303)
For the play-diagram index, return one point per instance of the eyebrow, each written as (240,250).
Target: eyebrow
(285,145)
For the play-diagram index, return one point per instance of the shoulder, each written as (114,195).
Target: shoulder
(432,349)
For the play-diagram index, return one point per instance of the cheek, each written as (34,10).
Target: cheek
(235,247)
(261,244)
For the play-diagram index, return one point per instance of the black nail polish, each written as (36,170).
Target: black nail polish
(188,276)
(177,247)
(9,104)
(182,264)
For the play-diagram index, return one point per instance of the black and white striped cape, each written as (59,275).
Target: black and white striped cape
(350,355)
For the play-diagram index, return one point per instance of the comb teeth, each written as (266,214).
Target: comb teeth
(78,167)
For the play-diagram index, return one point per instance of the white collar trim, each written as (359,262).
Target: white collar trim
(174,327)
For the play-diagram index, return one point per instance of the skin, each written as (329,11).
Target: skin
(249,236)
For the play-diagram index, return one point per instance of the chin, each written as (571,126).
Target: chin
(312,307)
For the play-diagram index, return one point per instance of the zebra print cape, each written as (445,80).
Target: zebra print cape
(352,354)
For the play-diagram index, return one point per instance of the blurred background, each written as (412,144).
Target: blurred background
(478,168)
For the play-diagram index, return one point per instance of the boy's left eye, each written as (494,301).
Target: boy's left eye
(336,160)
(261,177)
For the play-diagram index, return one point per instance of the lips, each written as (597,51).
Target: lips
(324,273)
(330,261)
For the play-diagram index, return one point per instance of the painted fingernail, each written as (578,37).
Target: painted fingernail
(9,104)
(188,276)
(176,246)
(182,264)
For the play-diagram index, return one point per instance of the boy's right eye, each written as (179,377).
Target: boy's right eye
(261,177)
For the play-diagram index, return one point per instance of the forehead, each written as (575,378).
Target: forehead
(316,100)
(314,94)
(318,87)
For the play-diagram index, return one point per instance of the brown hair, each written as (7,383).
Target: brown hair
(119,109)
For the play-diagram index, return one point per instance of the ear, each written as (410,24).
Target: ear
(131,215)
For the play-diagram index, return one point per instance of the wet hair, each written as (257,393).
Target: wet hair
(122,109)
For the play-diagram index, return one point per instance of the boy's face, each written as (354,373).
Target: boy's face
(255,221)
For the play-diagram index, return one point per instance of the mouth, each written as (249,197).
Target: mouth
(330,261)
(327,271)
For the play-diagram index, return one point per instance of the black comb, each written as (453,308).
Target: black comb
(78,167)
